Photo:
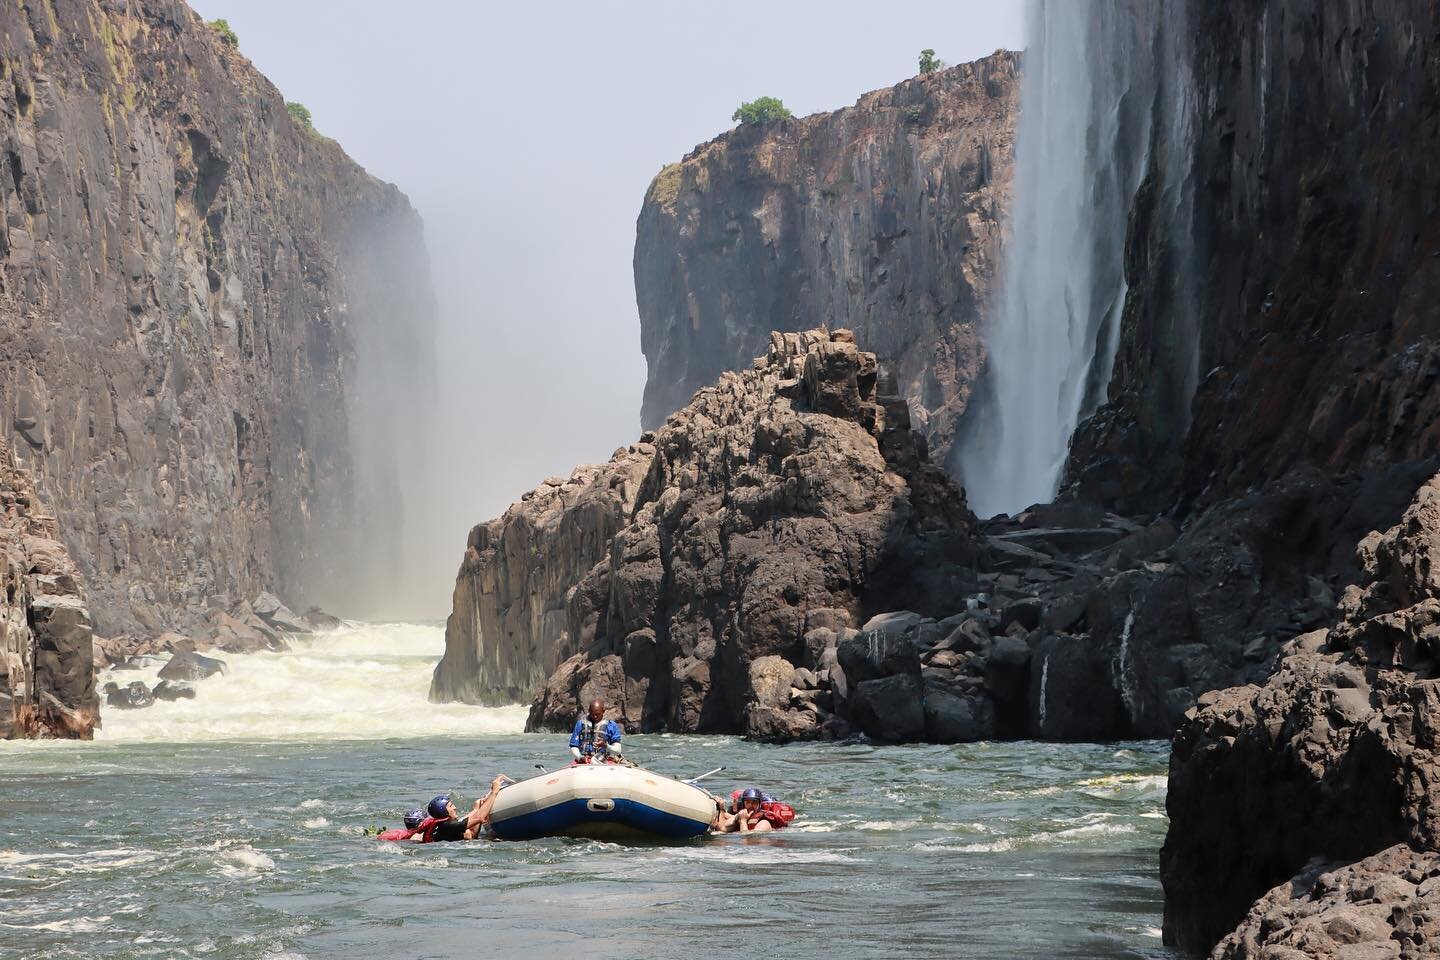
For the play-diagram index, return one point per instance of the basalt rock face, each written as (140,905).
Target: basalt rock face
(781,507)
(185,274)
(1310,330)
(47,684)
(508,627)
(1336,755)
(885,217)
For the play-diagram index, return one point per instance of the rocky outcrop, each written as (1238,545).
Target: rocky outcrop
(508,629)
(885,217)
(1385,906)
(781,507)
(47,683)
(185,275)
(1334,756)
(1306,332)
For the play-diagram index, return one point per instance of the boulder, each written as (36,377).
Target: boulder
(770,681)
(190,666)
(1385,906)
(278,616)
(1025,611)
(870,656)
(174,690)
(319,621)
(899,623)
(1334,755)
(133,696)
(890,709)
(951,717)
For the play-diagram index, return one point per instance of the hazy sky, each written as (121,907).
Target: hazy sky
(526,135)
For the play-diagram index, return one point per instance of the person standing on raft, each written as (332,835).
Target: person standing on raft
(595,739)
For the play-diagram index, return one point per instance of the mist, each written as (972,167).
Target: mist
(526,137)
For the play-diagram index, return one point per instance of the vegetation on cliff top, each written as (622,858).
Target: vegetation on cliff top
(227,36)
(929,63)
(761,110)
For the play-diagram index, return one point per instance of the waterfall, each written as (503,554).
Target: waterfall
(1095,76)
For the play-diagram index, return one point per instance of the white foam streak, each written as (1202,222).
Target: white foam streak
(363,681)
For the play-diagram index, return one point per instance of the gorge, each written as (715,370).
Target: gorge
(1076,397)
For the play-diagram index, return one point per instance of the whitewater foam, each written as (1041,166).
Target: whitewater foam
(363,681)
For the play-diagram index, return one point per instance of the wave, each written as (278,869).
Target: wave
(364,681)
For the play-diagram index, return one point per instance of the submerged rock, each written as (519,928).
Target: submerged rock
(133,696)
(190,666)
(174,690)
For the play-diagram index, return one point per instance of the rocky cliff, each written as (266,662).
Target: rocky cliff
(707,577)
(1333,756)
(47,686)
(185,274)
(1310,323)
(885,217)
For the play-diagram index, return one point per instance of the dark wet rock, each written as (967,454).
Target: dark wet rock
(890,709)
(885,216)
(133,696)
(274,614)
(1385,907)
(951,717)
(190,667)
(174,690)
(1334,755)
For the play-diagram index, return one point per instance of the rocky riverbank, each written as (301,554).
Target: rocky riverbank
(1332,757)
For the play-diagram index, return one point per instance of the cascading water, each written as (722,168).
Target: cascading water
(1094,87)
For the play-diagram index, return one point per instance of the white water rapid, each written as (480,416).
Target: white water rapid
(363,681)
(1088,99)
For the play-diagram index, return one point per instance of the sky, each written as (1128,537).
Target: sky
(526,135)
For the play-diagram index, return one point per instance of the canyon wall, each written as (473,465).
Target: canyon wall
(47,687)
(1314,313)
(185,274)
(885,217)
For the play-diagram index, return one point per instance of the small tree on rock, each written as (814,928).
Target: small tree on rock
(227,36)
(300,113)
(929,63)
(762,110)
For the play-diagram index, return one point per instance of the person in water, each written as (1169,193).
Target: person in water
(473,826)
(747,819)
(594,738)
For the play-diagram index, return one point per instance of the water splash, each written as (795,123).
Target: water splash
(363,681)
(1094,84)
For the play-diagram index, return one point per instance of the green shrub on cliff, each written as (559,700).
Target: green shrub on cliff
(227,36)
(929,63)
(300,113)
(762,110)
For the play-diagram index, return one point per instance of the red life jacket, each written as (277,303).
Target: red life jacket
(779,814)
(427,827)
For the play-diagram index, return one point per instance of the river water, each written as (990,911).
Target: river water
(234,826)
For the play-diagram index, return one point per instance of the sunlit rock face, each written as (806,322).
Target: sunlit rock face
(701,580)
(47,686)
(885,217)
(185,275)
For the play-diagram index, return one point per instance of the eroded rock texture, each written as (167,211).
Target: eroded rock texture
(1334,756)
(184,276)
(885,217)
(47,684)
(773,514)
(1386,906)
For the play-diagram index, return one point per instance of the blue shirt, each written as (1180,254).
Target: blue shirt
(583,736)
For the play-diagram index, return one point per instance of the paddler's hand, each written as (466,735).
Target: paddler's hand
(499,782)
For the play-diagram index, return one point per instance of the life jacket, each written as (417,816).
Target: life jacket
(777,812)
(426,828)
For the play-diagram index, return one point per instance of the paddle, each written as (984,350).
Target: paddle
(693,781)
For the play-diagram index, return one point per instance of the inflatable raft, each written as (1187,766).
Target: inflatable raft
(604,801)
